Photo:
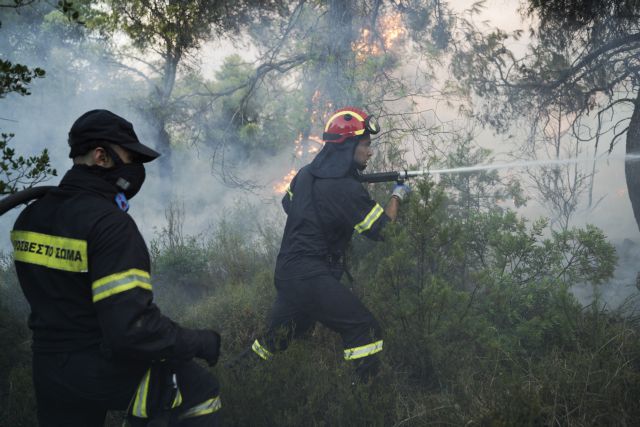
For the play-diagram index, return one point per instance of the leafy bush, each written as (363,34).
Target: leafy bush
(480,325)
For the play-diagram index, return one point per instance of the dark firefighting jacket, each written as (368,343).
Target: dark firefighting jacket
(322,215)
(84,268)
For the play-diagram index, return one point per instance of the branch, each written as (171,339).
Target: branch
(134,70)
(17,4)
(613,44)
(616,136)
(261,72)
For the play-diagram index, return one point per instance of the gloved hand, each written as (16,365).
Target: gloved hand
(401,191)
(209,346)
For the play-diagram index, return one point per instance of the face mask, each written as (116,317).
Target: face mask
(127,177)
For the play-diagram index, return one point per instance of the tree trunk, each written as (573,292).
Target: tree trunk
(632,167)
(340,57)
(162,111)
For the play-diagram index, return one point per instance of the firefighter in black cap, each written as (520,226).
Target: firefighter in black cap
(99,341)
(325,203)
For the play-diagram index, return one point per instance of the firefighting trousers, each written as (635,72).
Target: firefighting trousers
(302,302)
(78,388)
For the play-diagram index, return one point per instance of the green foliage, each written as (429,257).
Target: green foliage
(17,405)
(17,172)
(17,77)
(480,325)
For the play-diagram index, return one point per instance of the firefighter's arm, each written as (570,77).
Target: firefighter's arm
(399,194)
(357,208)
(392,208)
(121,290)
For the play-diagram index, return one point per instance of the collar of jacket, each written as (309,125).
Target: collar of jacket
(334,160)
(81,178)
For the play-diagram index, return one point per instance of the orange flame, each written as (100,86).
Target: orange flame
(282,186)
(315,148)
(391,31)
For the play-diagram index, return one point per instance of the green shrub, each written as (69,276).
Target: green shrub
(480,327)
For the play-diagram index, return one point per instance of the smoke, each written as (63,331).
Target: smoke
(81,75)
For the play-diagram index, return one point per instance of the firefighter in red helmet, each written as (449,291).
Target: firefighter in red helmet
(325,204)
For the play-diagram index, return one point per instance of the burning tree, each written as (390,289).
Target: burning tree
(338,53)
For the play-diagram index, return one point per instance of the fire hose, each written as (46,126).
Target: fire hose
(24,196)
(397,176)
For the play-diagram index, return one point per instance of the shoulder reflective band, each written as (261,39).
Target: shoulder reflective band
(364,351)
(207,407)
(289,192)
(371,217)
(120,282)
(261,351)
(60,253)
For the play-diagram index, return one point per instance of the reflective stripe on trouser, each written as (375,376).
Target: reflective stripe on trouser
(261,351)
(140,407)
(363,351)
(207,407)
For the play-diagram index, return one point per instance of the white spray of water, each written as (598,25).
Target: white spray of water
(517,165)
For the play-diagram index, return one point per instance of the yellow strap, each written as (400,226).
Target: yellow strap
(371,217)
(290,193)
(120,282)
(363,351)
(342,113)
(60,253)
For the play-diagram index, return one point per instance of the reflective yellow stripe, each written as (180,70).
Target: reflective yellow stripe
(364,351)
(120,282)
(178,400)
(290,193)
(260,350)
(371,217)
(139,408)
(207,407)
(342,113)
(60,253)
(140,404)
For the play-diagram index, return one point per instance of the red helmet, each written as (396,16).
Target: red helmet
(349,122)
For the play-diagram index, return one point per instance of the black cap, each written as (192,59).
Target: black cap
(102,125)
